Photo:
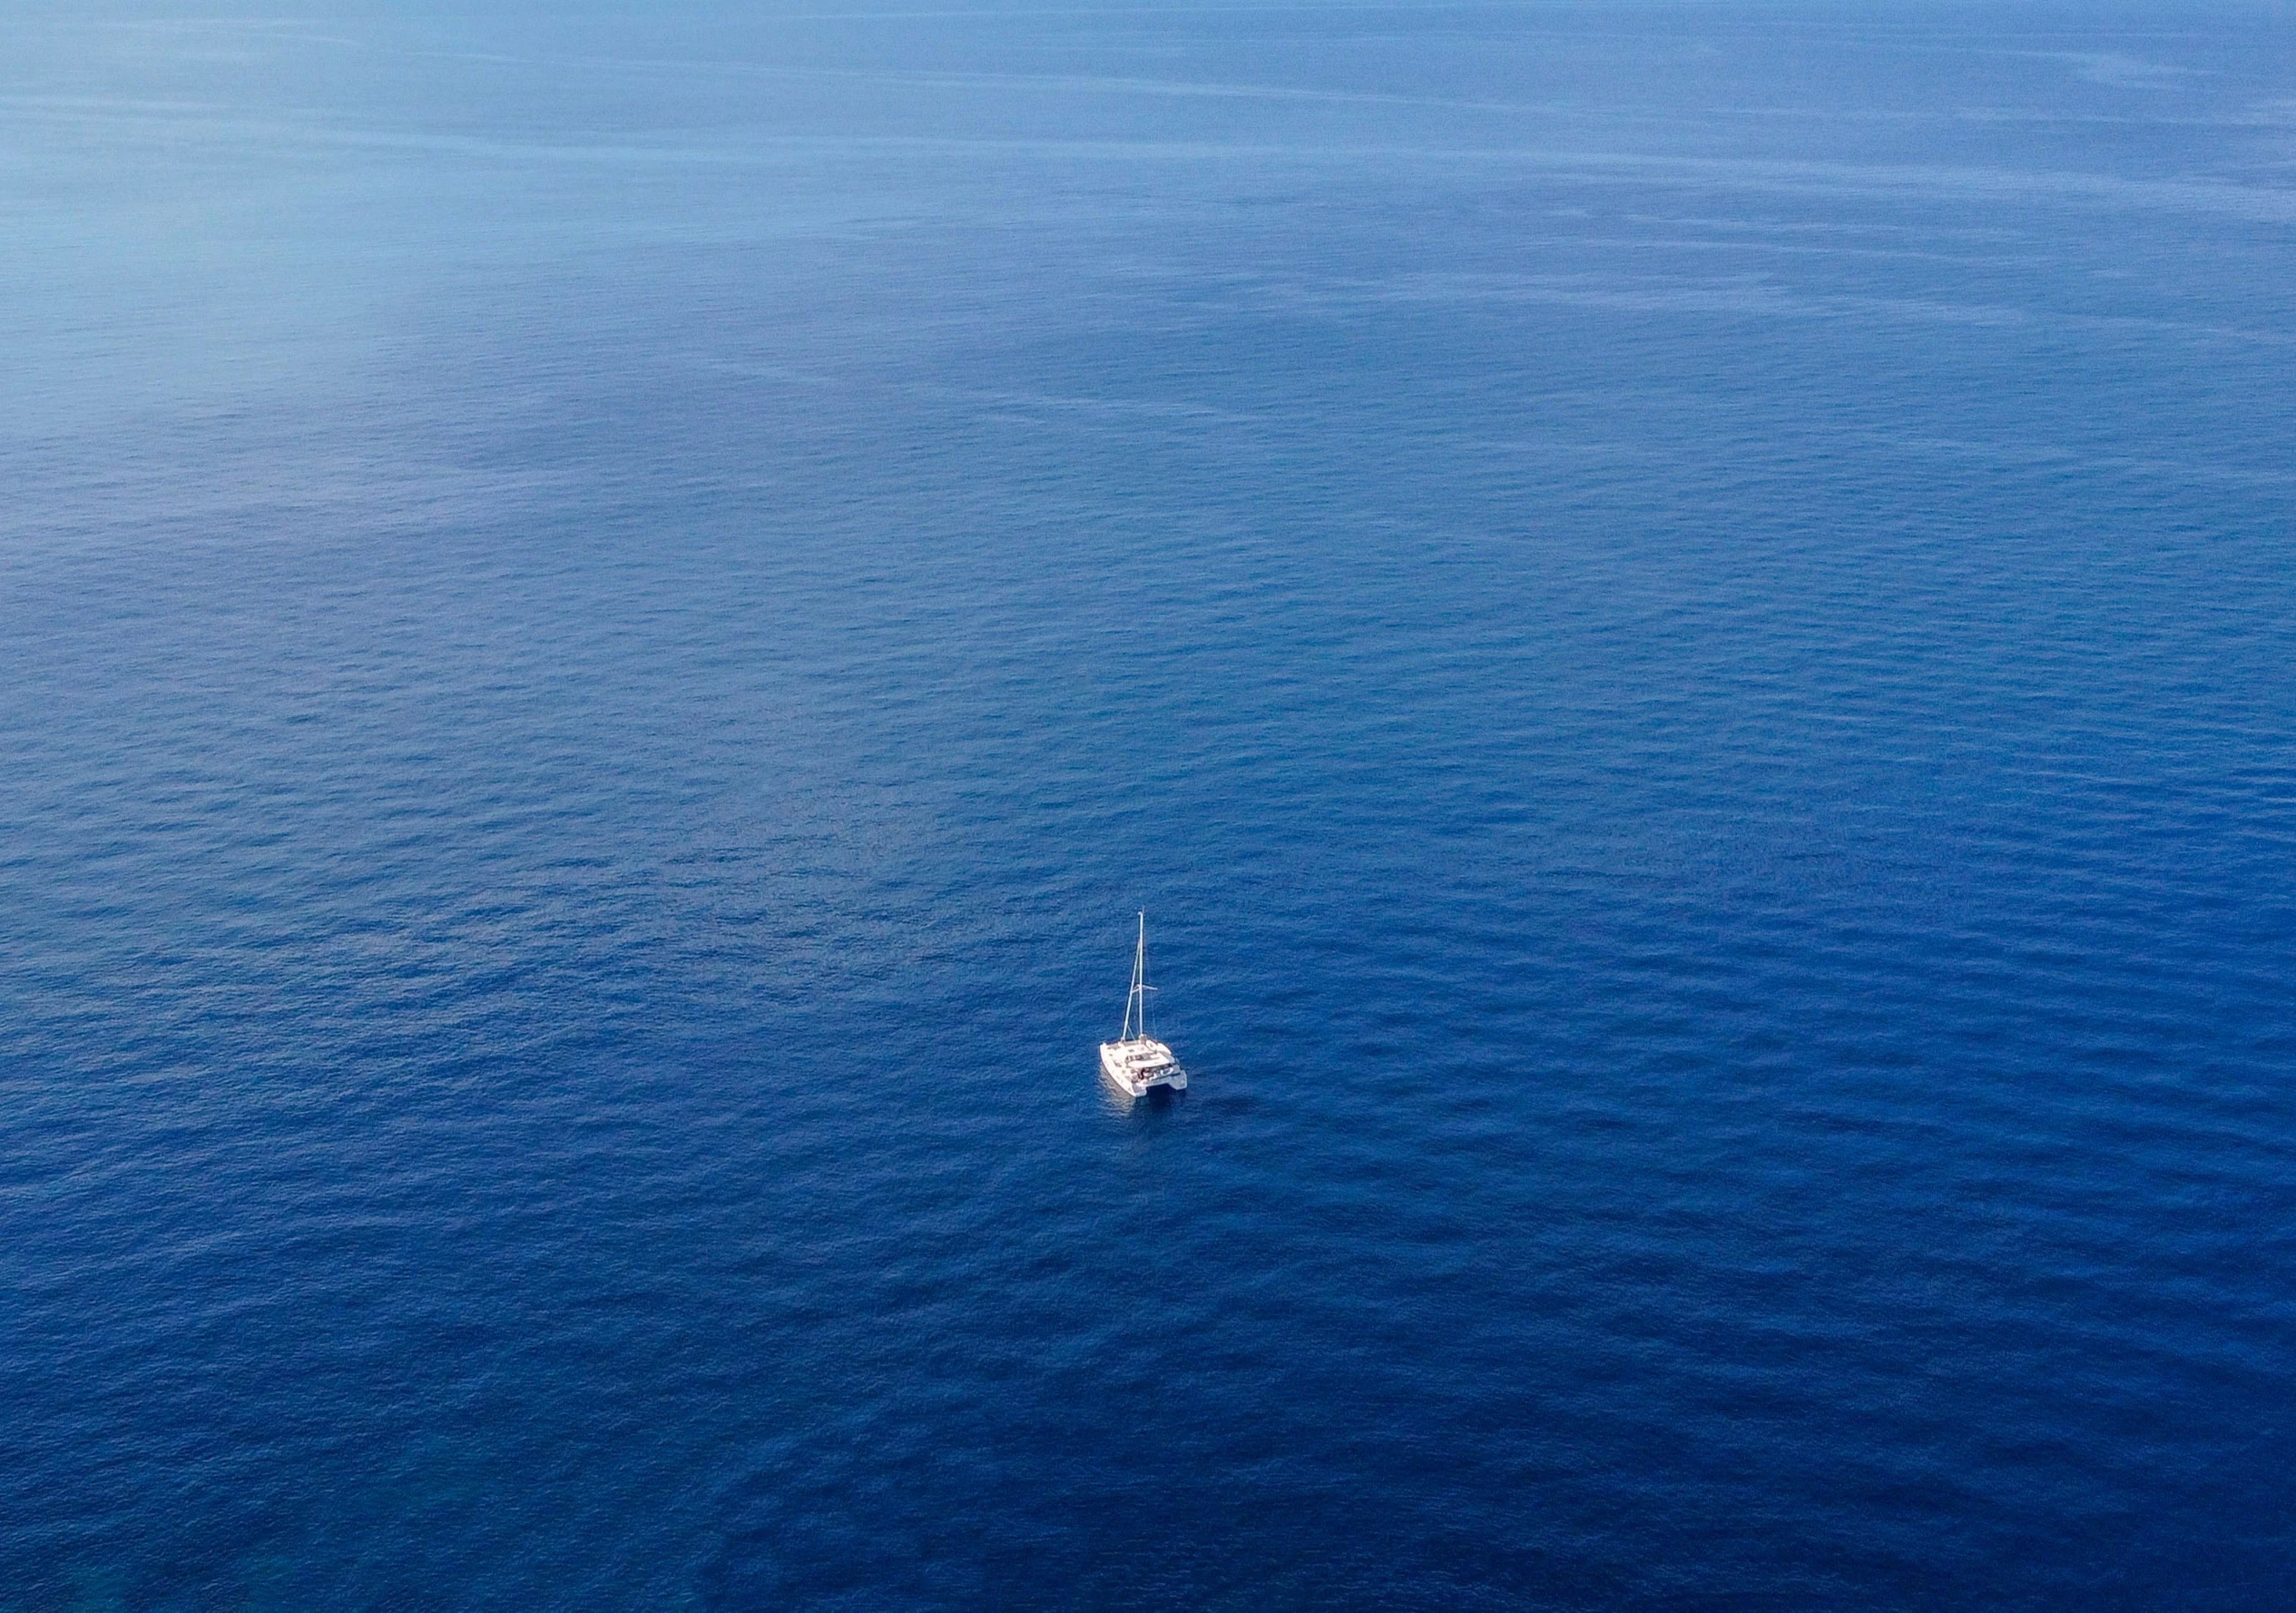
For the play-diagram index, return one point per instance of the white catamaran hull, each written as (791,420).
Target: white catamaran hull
(1139,1065)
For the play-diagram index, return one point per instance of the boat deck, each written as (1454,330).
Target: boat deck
(1139,1063)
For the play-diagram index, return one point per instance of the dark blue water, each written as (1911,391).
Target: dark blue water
(1683,620)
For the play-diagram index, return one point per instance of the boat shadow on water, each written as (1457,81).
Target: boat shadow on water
(1122,1106)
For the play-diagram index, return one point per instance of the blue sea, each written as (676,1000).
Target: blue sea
(1682,618)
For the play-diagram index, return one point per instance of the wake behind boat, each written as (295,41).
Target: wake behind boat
(1136,1060)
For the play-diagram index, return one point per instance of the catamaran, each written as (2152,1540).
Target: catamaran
(1136,1060)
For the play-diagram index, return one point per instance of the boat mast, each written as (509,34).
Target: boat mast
(1139,994)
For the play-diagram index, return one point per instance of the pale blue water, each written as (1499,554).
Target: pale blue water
(1683,620)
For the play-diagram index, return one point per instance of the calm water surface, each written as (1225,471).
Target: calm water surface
(1683,620)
